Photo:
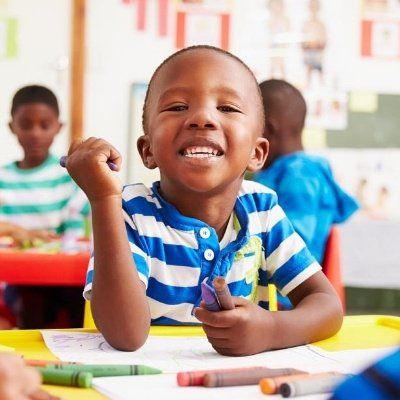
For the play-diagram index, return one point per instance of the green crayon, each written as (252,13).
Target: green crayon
(66,378)
(98,370)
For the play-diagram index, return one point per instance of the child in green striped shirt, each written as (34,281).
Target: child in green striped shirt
(38,197)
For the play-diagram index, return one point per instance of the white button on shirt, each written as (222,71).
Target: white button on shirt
(205,233)
(209,255)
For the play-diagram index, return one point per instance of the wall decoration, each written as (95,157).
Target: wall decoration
(8,38)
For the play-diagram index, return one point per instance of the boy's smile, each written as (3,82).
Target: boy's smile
(204,124)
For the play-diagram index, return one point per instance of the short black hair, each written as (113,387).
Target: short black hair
(34,94)
(195,48)
(281,97)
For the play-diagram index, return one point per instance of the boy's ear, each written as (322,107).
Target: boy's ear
(259,155)
(10,125)
(60,126)
(144,148)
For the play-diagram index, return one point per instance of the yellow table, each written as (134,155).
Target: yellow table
(357,332)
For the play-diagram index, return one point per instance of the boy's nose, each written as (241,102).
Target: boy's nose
(201,119)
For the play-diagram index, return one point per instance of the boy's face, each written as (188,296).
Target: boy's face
(35,126)
(204,123)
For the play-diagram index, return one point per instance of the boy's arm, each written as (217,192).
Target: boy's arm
(119,302)
(317,313)
(249,329)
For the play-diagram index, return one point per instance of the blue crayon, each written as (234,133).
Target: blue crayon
(209,297)
(63,162)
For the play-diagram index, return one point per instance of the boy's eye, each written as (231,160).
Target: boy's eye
(226,108)
(25,125)
(177,107)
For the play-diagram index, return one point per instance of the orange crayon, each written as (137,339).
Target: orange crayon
(272,385)
(44,363)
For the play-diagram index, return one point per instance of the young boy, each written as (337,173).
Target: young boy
(38,199)
(203,124)
(304,183)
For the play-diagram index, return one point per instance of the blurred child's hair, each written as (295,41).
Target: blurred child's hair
(194,48)
(282,98)
(34,94)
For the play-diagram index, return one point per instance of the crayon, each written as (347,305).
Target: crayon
(98,370)
(63,163)
(66,378)
(240,378)
(223,294)
(45,363)
(272,385)
(209,297)
(196,378)
(311,385)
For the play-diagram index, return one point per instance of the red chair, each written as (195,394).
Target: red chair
(331,264)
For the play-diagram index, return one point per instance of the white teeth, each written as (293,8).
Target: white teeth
(200,152)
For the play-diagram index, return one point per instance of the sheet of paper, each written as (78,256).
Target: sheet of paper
(164,387)
(172,354)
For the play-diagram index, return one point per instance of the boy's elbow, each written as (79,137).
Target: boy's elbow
(131,342)
(337,315)
(332,319)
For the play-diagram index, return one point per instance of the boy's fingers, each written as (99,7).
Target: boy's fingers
(220,319)
(74,145)
(240,301)
(107,152)
(215,333)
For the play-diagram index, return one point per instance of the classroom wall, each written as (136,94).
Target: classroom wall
(118,55)
(42,53)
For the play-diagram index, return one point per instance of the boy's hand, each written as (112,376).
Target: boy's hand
(238,332)
(26,237)
(87,165)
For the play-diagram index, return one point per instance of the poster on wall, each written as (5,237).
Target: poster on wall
(203,22)
(380,29)
(372,176)
(8,38)
(298,41)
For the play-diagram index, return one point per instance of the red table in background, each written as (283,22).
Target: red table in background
(27,268)
(42,269)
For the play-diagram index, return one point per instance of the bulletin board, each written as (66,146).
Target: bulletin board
(379,129)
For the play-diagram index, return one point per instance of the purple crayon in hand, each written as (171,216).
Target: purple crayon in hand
(63,162)
(209,297)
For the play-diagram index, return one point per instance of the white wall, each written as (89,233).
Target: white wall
(118,56)
(43,46)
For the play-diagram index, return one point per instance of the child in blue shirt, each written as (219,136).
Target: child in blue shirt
(203,124)
(304,183)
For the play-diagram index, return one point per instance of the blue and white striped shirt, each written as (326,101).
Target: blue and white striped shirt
(173,253)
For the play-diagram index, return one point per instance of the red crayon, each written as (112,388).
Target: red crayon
(196,378)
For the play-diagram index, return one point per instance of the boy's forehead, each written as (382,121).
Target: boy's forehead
(35,108)
(203,67)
